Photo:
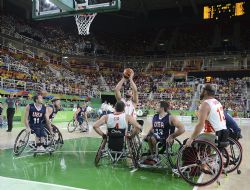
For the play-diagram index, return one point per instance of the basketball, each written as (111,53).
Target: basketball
(127,72)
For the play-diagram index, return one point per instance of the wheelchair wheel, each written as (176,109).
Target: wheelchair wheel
(99,152)
(134,147)
(21,142)
(71,126)
(225,157)
(235,155)
(58,137)
(201,159)
(172,152)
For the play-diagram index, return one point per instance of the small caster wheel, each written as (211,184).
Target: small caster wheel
(239,172)
(35,154)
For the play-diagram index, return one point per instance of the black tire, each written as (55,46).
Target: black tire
(99,152)
(192,162)
(71,126)
(59,140)
(235,152)
(226,159)
(134,147)
(172,152)
(19,149)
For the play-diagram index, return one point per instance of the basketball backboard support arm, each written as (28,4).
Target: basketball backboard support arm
(49,9)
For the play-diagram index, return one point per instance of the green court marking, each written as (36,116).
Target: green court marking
(73,166)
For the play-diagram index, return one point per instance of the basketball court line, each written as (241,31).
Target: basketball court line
(199,180)
(134,170)
(66,151)
(14,183)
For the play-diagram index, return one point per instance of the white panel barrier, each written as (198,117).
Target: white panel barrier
(185,119)
(237,120)
(244,121)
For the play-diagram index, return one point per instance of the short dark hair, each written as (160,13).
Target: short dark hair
(54,100)
(210,89)
(35,98)
(119,106)
(165,105)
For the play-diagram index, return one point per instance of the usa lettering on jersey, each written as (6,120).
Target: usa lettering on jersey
(158,124)
(37,114)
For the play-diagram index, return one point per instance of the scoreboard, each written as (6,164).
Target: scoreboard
(208,79)
(224,10)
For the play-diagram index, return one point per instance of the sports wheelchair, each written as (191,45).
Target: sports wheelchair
(113,147)
(25,142)
(72,126)
(199,165)
(203,162)
(119,145)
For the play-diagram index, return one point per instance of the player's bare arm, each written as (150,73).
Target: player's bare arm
(26,118)
(49,111)
(118,88)
(180,128)
(86,117)
(134,89)
(99,123)
(136,126)
(203,114)
(76,113)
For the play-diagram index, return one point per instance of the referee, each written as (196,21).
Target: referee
(11,105)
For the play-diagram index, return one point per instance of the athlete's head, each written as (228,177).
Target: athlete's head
(57,103)
(207,91)
(129,94)
(162,106)
(38,99)
(84,104)
(119,106)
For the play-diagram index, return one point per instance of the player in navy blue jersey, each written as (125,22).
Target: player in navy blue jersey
(35,121)
(163,127)
(81,115)
(53,108)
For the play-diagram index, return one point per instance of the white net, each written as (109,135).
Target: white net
(83,23)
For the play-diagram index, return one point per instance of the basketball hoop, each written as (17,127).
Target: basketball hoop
(83,23)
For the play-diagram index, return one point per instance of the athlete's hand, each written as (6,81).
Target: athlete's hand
(76,123)
(170,139)
(189,142)
(104,136)
(131,75)
(28,130)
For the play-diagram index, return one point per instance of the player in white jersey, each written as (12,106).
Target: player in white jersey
(131,96)
(118,120)
(210,115)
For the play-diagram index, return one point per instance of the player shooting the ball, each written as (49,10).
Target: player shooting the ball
(131,96)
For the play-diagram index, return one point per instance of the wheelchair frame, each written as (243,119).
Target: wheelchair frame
(208,160)
(73,127)
(52,142)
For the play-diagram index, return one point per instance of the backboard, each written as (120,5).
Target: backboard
(48,9)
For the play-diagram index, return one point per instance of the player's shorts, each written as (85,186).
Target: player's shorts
(39,130)
(80,120)
(156,137)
